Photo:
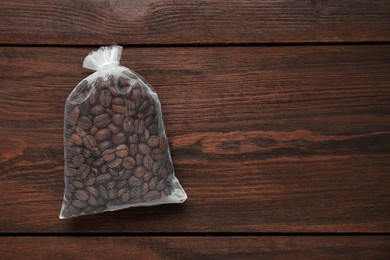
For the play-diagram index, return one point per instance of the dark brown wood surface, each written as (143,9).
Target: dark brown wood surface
(192,22)
(195,247)
(277,113)
(264,139)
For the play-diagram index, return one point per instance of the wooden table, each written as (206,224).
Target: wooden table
(278,116)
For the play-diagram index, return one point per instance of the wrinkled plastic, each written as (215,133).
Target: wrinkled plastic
(116,149)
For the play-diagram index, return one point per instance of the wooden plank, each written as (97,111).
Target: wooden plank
(264,139)
(192,22)
(195,247)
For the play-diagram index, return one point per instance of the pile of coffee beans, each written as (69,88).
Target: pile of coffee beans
(116,151)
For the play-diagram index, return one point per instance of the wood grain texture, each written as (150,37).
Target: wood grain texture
(195,247)
(192,22)
(264,139)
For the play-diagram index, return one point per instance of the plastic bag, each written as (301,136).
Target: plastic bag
(116,150)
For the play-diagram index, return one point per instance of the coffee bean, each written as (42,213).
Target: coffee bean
(136,95)
(102,120)
(108,154)
(153,183)
(140,171)
(119,138)
(93,201)
(134,181)
(128,162)
(89,141)
(157,154)
(139,126)
(93,191)
(122,150)
(93,97)
(103,134)
(125,197)
(153,141)
(118,109)
(105,98)
(145,188)
(110,185)
(135,192)
(74,115)
(76,139)
(114,129)
(118,101)
(148,176)
(81,132)
(151,195)
(163,144)
(133,148)
(105,145)
(115,163)
(117,119)
(78,184)
(79,204)
(148,162)
(90,181)
(98,162)
(103,177)
(97,110)
(111,194)
(133,139)
(93,130)
(160,185)
(143,148)
(139,159)
(84,123)
(78,160)
(82,195)
(128,125)
(153,129)
(121,191)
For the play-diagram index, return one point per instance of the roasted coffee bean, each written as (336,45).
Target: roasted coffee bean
(160,185)
(83,171)
(89,141)
(90,181)
(128,162)
(121,191)
(135,192)
(111,194)
(93,130)
(122,150)
(133,148)
(139,159)
(78,184)
(105,98)
(81,132)
(134,181)
(148,176)
(118,101)
(153,129)
(163,144)
(143,148)
(103,193)
(78,160)
(145,188)
(157,154)
(148,162)
(133,139)
(103,177)
(125,197)
(96,152)
(76,139)
(102,120)
(98,162)
(153,141)
(139,127)
(118,109)
(93,191)
(119,138)
(108,154)
(151,195)
(82,195)
(74,115)
(79,204)
(93,201)
(97,110)
(84,123)
(153,183)
(117,119)
(115,163)
(136,95)
(105,145)
(93,97)
(103,134)
(114,129)
(140,171)
(128,125)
